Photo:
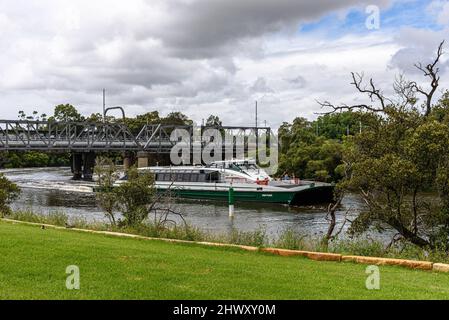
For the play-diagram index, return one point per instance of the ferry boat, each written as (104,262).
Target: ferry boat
(250,183)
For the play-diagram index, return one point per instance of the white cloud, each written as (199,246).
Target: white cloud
(440,10)
(198,57)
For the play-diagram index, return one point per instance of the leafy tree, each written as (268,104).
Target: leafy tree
(8,193)
(106,172)
(95,117)
(66,112)
(213,121)
(134,196)
(399,158)
(177,118)
(304,154)
(35,159)
(34,117)
(338,125)
(136,124)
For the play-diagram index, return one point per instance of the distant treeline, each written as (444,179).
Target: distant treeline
(33,159)
(313,149)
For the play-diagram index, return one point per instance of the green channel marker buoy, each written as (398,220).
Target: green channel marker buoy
(231,202)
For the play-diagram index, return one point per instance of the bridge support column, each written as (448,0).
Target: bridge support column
(77,165)
(142,159)
(129,159)
(83,165)
(88,165)
(146,159)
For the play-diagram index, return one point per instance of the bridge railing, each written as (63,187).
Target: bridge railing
(89,136)
(65,135)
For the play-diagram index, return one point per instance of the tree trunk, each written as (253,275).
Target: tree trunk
(409,235)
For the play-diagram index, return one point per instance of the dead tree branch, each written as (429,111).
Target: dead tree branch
(374,94)
(432,72)
(407,90)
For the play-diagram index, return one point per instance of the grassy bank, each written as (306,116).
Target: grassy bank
(286,239)
(34,261)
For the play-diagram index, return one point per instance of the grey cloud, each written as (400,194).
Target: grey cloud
(419,46)
(261,86)
(208,28)
(298,82)
(151,54)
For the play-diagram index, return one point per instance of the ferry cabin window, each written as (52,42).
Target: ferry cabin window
(194,177)
(202,177)
(186,177)
(163,177)
(213,177)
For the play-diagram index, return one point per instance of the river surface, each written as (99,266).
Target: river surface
(46,190)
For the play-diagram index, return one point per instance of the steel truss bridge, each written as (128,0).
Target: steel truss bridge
(18,135)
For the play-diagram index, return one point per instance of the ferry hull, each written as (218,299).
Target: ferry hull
(310,196)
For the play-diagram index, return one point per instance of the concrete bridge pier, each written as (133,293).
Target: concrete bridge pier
(143,159)
(88,165)
(146,159)
(83,164)
(77,166)
(129,160)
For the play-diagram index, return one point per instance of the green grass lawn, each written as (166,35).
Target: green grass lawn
(33,263)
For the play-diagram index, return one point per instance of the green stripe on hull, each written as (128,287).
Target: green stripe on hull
(268,197)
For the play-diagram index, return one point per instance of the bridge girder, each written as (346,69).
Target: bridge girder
(18,135)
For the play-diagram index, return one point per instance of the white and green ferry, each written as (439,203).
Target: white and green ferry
(250,183)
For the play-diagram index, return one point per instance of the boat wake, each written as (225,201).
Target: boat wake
(52,179)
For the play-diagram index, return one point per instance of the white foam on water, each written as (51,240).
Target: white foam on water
(57,179)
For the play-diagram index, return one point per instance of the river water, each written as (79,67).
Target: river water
(46,190)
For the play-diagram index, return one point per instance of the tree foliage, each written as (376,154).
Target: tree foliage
(313,149)
(213,121)
(177,118)
(399,164)
(131,197)
(106,173)
(8,193)
(66,112)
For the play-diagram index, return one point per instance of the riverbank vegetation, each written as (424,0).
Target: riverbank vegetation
(8,193)
(285,239)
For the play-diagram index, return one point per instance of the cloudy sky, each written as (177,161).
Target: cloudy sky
(206,57)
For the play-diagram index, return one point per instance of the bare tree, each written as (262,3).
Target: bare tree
(405,89)
(163,211)
(374,94)
(432,72)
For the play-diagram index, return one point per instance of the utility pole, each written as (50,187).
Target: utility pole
(104,105)
(257,134)
(257,120)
